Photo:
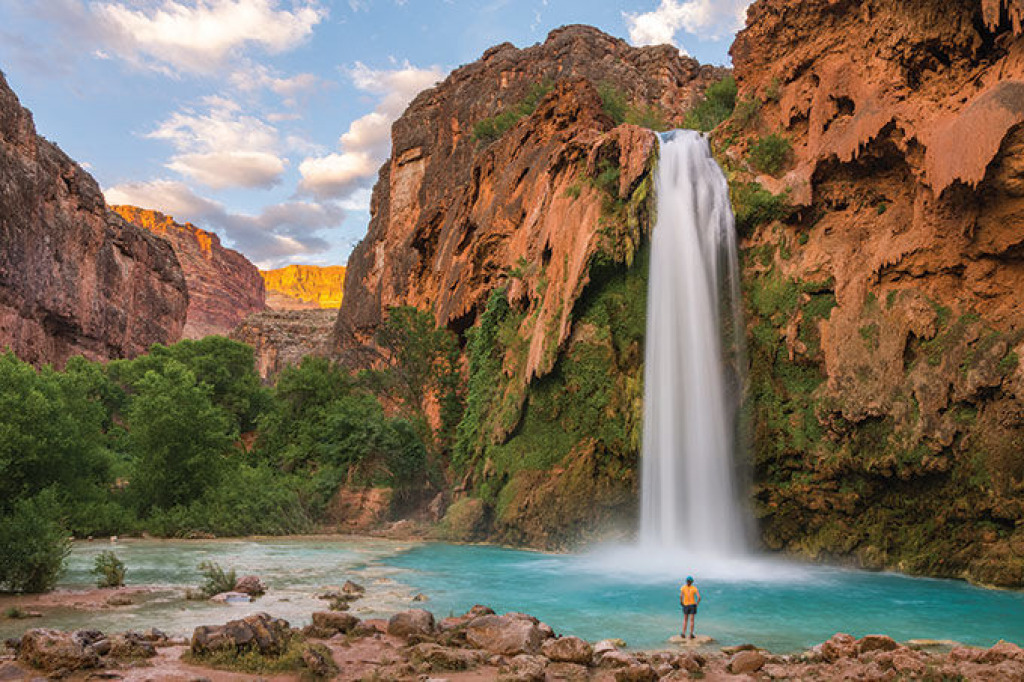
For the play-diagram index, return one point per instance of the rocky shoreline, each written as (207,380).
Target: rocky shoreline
(478,645)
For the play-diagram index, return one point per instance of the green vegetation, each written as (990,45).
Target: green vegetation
(490,129)
(770,154)
(291,660)
(215,579)
(108,569)
(753,205)
(615,103)
(746,111)
(718,104)
(33,544)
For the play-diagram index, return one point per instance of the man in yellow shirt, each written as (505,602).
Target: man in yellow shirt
(689,598)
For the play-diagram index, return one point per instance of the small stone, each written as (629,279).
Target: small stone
(746,662)
(420,597)
(353,588)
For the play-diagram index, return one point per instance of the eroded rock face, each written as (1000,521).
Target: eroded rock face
(75,279)
(304,287)
(280,338)
(223,286)
(886,324)
(452,214)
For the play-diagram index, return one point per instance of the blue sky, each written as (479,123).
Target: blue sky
(266,120)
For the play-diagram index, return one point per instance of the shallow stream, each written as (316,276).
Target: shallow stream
(617,592)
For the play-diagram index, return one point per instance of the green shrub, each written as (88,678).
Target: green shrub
(770,153)
(215,579)
(746,111)
(109,570)
(489,129)
(33,545)
(753,205)
(718,104)
(14,613)
(613,102)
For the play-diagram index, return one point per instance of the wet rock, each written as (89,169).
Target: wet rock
(353,589)
(730,650)
(231,598)
(746,662)
(420,597)
(639,672)
(445,658)
(54,651)
(119,600)
(523,668)
(250,585)
(606,645)
(260,632)
(509,635)
(876,643)
(412,623)
(568,650)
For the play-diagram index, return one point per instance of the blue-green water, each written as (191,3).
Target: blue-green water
(622,592)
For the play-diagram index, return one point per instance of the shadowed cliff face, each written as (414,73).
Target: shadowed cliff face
(223,286)
(886,324)
(74,277)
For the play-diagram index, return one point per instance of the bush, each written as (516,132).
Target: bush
(771,153)
(719,102)
(33,545)
(109,570)
(490,129)
(215,579)
(753,205)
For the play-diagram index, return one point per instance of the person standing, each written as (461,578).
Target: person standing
(689,598)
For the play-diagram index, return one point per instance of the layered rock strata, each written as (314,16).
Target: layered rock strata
(281,338)
(886,325)
(75,279)
(304,287)
(223,286)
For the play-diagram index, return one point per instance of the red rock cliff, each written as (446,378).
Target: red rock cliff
(300,287)
(223,286)
(454,212)
(74,277)
(887,324)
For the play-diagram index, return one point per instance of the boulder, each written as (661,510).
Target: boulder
(616,659)
(445,658)
(840,645)
(317,660)
(876,643)
(54,651)
(690,662)
(414,622)
(638,672)
(1002,651)
(606,645)
(260,633)
(353,589)
(250,585)
(333,622)
(127,646)
(568,650)
(567,672)
(746,662)
(508,635)
(523,668)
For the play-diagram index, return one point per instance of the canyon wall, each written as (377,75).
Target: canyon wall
(223,286)
(514,207)
(304,287)
(75,279)
(886,327)
(281,338)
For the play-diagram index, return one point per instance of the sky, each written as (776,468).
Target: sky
(266,121)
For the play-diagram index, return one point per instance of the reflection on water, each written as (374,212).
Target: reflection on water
(617,592)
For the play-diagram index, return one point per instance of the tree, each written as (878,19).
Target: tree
(177,437)
(33,544)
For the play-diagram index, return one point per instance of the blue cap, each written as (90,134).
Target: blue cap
(689,578)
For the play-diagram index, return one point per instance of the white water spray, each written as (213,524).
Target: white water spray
(693,357)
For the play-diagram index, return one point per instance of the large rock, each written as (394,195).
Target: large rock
(568,650)
(223,286)
(508,635)
(260,633)
(250,585)
(523,668)
(332,622)
(876,643)
(55,651)
(412,623)
(75,278)
(746,662)
(840,645)
(445,658)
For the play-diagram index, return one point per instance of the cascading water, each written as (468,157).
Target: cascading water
(693,356)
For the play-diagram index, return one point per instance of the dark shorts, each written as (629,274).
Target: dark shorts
(690,610)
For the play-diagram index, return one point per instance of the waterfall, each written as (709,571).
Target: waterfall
(693,359)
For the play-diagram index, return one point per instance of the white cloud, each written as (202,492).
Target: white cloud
(201,36)
(257,76)
(367,141)
(222,147)
(273,236)
(710,18)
